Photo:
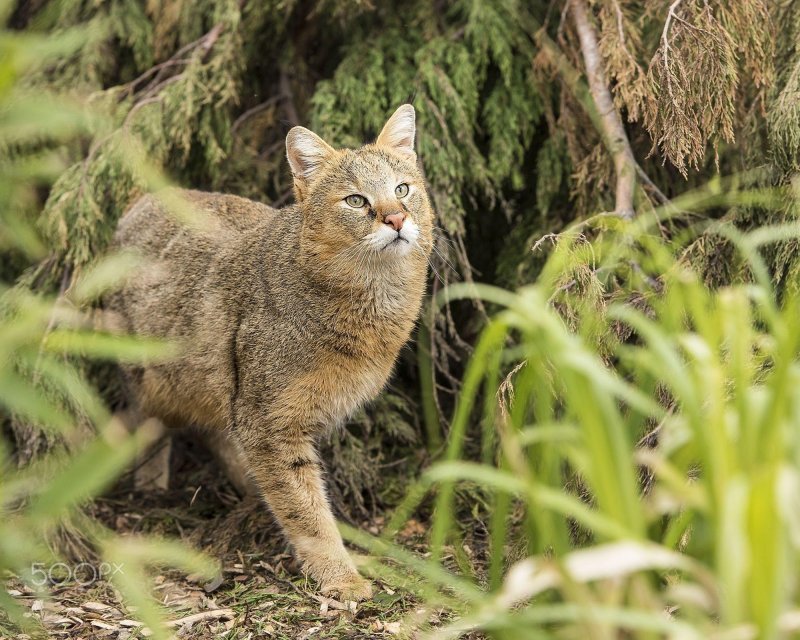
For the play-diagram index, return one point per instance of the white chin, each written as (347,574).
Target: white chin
(397,247)
(387,242)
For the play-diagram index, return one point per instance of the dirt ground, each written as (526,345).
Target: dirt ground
(261,594)
(259,598)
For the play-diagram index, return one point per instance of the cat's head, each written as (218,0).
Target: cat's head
(367,202)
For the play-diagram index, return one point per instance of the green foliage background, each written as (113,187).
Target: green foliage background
(206,90)
(203,93)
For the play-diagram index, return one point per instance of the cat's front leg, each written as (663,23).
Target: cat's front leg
(285,466)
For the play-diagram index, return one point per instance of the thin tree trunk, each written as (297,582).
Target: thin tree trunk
(613,130)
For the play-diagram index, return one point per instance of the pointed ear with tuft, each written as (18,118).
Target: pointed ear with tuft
(398,133)
(307,152)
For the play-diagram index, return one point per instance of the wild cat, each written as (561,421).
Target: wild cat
(288,320)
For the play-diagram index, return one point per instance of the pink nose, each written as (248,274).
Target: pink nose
(395,220)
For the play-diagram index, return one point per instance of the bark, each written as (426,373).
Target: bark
(612,129)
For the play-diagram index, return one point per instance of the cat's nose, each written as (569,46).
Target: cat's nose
(395,220)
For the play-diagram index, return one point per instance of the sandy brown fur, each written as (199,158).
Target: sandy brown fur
(286,326)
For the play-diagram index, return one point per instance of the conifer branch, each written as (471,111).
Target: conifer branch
(181,57)
(256,110)
(609,119)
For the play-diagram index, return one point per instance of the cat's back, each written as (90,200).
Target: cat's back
(182,239)
(155,223)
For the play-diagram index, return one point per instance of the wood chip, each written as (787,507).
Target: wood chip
(214,584)
(95,606)
(104,625)
(130,623)
(54,618)
(214,614)
(392,627)
(330,603)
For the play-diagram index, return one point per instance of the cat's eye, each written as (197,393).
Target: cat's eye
(356,201)
(401,190)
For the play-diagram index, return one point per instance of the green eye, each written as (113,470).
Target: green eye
(401,190)
(356,201)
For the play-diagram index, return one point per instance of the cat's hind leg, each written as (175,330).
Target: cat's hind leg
(151,468)
(230,459)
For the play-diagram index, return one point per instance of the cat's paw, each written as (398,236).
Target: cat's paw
(351,589)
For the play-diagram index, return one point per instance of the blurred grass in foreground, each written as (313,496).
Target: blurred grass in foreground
(643,453)
(40,339)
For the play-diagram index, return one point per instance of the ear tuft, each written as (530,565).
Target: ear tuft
(398,133)
(306,153)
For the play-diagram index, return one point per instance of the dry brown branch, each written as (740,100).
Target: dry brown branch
(609,119)
(204,43)
(255,110)
(658,195)
(619,18)
(505,392)
(665,44)
(288,97)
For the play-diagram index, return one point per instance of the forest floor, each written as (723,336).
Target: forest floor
(261,594)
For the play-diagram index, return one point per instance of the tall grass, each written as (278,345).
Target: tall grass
(646,439)
(42,340)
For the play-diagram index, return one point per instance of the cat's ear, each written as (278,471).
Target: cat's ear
(398,133)
(306,153)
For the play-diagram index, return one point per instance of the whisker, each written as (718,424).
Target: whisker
(444,259)
(430,263)
(441,234)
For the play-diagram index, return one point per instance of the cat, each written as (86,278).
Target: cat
(287,320)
